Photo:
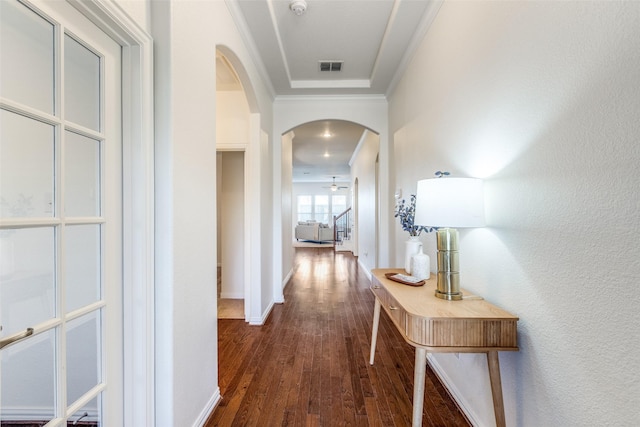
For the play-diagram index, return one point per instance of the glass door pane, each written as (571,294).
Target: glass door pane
(88,414)
(83,267)
(27,44)
(27,282)
(83,358)
(60,150)
(26,166)
(82,175)
(82,84)
(28,380)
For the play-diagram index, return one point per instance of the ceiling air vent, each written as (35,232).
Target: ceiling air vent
(331,65)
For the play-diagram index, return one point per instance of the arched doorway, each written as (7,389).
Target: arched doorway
(232,142)
(310,153)
(321,180)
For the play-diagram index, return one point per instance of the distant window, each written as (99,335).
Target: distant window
(320,208)
(305,208)
(338,204)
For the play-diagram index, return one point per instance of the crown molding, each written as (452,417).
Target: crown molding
(417,38)
(298,98)
(243,30)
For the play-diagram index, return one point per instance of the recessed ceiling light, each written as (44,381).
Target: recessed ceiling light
(326,154)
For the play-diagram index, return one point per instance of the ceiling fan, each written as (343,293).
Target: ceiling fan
(336,187)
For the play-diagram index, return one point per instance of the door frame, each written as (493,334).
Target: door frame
(138,206)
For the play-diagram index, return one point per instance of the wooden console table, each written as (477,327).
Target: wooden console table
(431,324)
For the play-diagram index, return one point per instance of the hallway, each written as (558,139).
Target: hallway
(308,365)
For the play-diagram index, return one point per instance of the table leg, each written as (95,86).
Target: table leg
(418,385)
(496,387)
(374,330)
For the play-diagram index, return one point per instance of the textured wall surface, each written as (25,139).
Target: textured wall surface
(542,100)
(186,36)
(363,170)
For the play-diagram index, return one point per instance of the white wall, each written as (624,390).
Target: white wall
(542,100)
(363,169)
(186,367)
(287,203)
(218,210)
(232,118)
(266,227)
(186,35)
(139,11)
(232,230)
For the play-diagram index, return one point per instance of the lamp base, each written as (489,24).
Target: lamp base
(449,297)
(448,285)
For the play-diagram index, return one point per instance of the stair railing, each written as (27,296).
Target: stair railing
(342,227)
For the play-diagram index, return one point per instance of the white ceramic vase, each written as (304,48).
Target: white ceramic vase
(412,246)
(420,265)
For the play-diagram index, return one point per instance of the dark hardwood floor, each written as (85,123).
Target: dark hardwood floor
(309,364)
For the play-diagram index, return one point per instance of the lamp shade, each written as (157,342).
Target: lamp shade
(450,202)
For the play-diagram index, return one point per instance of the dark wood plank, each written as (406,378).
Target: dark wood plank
(309,364)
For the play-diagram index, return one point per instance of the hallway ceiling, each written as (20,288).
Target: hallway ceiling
(322,150)
(372,41)
(374,38)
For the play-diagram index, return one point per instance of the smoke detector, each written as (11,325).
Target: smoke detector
(298,6)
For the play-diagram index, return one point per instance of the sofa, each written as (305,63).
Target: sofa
(314,231)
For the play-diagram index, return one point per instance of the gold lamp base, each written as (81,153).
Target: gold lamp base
(448,286)
(449,297)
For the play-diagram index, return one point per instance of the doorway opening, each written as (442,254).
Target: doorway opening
(233,132)
(231,234)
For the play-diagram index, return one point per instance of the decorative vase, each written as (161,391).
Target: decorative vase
(411,248)
(420,265)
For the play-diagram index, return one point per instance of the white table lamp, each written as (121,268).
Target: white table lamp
(449,203)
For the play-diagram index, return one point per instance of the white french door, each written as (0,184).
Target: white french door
(60,218)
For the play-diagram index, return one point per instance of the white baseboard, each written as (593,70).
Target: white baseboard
(208,409)
(279,299)
(285,282)
(259,321)
(453,391)
(232,295)
(365,269)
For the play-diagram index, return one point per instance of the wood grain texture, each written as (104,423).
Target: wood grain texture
(433,322)
(308,365)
